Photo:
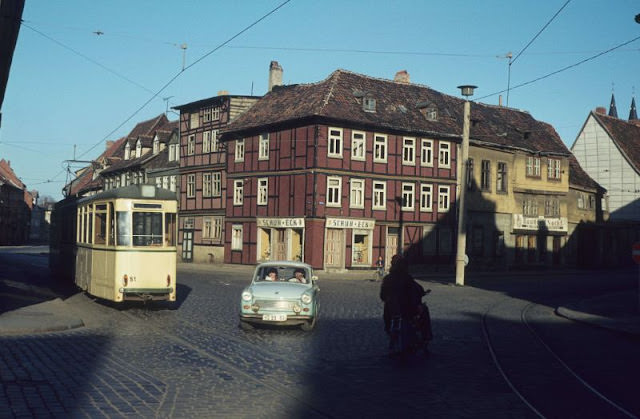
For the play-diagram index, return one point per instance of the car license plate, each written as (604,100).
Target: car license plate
(274,317)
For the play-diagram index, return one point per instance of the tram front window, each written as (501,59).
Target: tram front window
(147,229)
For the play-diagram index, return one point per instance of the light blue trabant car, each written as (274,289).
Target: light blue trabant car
(281,293)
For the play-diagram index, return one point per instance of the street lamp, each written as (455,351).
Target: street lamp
(466,90)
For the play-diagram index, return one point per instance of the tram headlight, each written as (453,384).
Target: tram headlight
(125,280)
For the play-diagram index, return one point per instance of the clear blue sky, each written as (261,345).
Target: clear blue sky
(70,86)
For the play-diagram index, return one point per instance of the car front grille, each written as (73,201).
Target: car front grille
(275,304)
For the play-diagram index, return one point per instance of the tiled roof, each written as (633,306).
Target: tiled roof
(625,135)
(399,107)
(7,175)
(578,177)
(148,127)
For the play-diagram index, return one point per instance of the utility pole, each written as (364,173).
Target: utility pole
(467,91)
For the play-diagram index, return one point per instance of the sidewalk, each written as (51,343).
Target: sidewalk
(616,311)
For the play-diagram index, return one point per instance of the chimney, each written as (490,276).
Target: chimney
(275,75)
(601,110)
(109,143)
(223,93)
(402,77)
(500,101)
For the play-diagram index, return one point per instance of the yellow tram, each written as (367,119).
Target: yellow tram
(125,243)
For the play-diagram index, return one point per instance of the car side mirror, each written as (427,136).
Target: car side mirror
(314,278)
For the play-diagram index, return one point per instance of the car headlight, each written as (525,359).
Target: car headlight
(306,298)
(246,296)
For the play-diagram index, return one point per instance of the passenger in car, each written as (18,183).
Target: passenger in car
(272,275)
(298,276)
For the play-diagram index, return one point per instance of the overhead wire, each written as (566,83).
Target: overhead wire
(168,83)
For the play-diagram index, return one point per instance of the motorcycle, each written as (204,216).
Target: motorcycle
(408,336)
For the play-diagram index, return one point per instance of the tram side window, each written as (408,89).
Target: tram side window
(100,225)
(123,228)
(89,229)
(147,229)
(170,229)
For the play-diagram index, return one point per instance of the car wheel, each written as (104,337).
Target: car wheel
(308,326)
(245,325)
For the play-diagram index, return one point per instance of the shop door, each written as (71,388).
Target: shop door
(279,244)
(391,249)
(187,245)
(334,249)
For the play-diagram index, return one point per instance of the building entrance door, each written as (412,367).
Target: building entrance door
(279,244)
(187,245)
(334,249)
(390,249)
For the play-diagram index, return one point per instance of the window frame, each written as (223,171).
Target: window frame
(502,177)
(444,205)
(191,145)
(358,145)
(207,179)
(426,197)
(238,192)
(408,194)
(263,147)
(334,142)
(206,142)
(263,191)
(409,151)
(239,150)
(334,192)
(356,193)
(380,148)
(426,152)
(444,155)
(485,175)
(236,237)
(379,195)
(191,185)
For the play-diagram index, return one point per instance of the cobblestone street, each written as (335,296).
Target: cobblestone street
(192,359)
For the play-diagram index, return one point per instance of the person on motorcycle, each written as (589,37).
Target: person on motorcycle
(401,294)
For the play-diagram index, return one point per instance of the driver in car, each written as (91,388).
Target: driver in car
(272,275)
(298,276)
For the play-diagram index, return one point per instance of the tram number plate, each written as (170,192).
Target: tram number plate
(274,317)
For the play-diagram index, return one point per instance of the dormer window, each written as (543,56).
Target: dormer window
(138,149)
(368,104)
(127,151)
(156,145)
(431,114)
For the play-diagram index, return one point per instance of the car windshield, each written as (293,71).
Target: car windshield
(282,273)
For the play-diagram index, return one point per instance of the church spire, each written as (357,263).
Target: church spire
(612,107)
(632,113)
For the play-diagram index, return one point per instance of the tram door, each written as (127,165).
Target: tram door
(187,245)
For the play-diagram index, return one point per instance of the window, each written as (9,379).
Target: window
(334,187)
(138,149)
(206,184)
(552,208)
(426,197)
(357,193)
(172,183)
(380,148)
(263,147)
(236,237)
(263,191)
(408,196)
(239,150)
(214,140)
(533,166)
(215,113)
(212,228)
(358,145)
(165,182)
(191,145)
(530,208)
(379,195)
(191,186)
(581,200)
(156,145)
(444,155)
(554,167)
(470,174)
(216,184)
(173,152)
(127,151)
(206,142)
(369,104)
(443,198)
(409,151)
(426,153)
(238,192)
(335,142)
(485,176)
(501,177)
(194,121)
(206,115)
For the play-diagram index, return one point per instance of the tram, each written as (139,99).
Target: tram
(118,245)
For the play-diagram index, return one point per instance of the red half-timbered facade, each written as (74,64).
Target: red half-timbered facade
(339,172)
(203,175)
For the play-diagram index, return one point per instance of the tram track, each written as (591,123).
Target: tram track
(535,372)
(273,364)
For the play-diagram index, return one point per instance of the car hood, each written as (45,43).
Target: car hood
(278,290)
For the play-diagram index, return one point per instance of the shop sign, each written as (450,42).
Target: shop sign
(280,222)
(356,223)
(520,222)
